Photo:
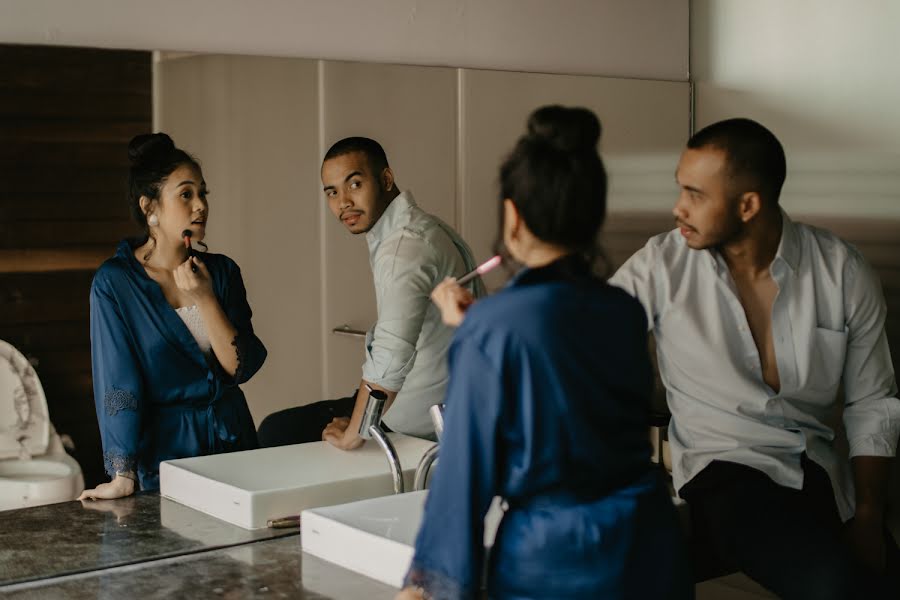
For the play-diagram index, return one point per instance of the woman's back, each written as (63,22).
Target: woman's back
(572,353)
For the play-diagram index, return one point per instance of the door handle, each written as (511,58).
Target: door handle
(348,331)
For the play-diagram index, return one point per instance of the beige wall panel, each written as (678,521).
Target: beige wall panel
(412,112)
(637,38)
(645,125)
(253,124)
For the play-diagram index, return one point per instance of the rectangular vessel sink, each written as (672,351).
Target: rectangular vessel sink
(376,537)
(249,488)
(372,537)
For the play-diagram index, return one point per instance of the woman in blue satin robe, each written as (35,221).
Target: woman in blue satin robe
(547,406)
(171,335)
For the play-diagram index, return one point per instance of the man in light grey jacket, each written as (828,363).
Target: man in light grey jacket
(410,252)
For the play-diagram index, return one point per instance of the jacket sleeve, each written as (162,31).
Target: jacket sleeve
(405,275)
(118,382)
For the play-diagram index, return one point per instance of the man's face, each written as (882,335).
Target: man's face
(354,192)
(706,212)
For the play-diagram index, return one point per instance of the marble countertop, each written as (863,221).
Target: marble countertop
(71,537)
(276,568)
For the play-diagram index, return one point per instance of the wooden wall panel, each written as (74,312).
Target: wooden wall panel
(66,116)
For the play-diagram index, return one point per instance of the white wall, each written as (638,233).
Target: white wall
(823,76)
(633,38)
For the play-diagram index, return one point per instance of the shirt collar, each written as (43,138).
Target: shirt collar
(395,216)
(788,247)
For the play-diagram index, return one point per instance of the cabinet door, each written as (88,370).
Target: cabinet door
(645,126)
(412,113)
(253,124)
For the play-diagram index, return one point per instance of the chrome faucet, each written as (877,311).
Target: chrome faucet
(427,460)
(370,428)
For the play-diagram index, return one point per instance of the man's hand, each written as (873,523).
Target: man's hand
(865,534)
(452,300)
(338,434)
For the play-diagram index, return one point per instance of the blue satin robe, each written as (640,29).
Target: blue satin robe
(157,396)
(547,406)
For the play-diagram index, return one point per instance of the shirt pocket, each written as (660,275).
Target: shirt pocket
(827,351)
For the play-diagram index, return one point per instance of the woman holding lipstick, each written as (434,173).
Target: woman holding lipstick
(550,385)
(171,337)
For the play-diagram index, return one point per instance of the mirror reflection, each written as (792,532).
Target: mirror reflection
(281,248)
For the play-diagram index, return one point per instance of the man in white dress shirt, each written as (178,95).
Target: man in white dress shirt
(758,320)
(410,252)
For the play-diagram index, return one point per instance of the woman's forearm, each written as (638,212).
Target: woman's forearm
(221,333)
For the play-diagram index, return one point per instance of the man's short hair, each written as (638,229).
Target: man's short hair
(754,156)
(378,161)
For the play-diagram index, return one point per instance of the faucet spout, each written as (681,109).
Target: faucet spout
(424,467)
(370,428)
(393,460)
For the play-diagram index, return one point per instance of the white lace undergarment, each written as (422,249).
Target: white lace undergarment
(191,317)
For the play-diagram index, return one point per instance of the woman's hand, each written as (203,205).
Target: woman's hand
(117,488)
(409,593)
(452,300)
(196,285)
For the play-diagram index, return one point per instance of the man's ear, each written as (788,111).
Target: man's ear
(387,179)
(749,206)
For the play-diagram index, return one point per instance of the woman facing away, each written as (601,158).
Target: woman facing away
(550,385)
(171,337)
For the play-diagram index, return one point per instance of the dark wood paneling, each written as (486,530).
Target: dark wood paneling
(42,298)
(73,154)
(46,206)
(74,69)
(66,116)
(85,104)
(34,129)
(32,338)
(57,234)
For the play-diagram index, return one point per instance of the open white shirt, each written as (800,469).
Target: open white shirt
(827,325)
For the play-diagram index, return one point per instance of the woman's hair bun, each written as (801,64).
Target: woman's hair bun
(148,145)
(568,129)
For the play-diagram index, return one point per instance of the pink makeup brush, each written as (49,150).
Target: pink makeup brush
(482,269)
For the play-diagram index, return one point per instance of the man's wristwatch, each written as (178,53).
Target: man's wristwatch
(127,474)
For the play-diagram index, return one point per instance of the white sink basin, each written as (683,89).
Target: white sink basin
(376,537)
(372,537)
(249,488)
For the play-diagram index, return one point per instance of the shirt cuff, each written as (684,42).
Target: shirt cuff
(873,445)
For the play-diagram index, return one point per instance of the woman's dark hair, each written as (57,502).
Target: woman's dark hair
(557,181)
(153,158)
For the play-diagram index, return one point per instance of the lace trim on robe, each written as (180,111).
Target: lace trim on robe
(436,586)
(116,461)
(116,400)
(239,349)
